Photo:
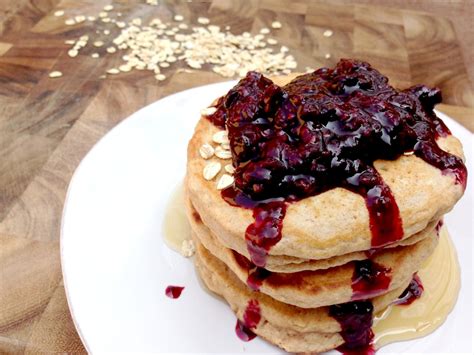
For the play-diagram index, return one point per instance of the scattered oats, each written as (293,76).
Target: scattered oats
(203,20)
(225,181)
(160,77)
(229,168)
(211,170)
(327,33)
(55,74)
(108,7)
(69,41)
(155,44)
(276,24)
(80,18)
(105,20)
(95,55)
(309,70)
(70,22)
(91,18)
(102,76)
(111,50)
(327,56)
(214,29)
(152,2)
(206,151)
(187,248)
(113,71)
(291,64)
(59,13)
(137,21)
(73,53)
(125,68)
(222,153)
(194,63)
(265,31)
(178,18)
(227,28)
(209,111)
(84,38)
(119,14)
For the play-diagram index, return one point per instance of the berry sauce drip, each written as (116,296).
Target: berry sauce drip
(412,292)
(439,225)
(250,321)
(369,279)
(256,275)
(324,130)
(265,231)
(174,291)
(355,319)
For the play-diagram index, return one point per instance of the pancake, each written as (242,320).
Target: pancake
(335,222)
(288,264)
(293,329)
(312,289)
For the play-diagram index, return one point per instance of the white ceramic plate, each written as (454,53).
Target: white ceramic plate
(116,266)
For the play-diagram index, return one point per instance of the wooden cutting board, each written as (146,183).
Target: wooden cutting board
(48,125)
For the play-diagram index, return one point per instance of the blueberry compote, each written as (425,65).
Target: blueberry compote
(412,292)
(250,321)
(369,279)
(355,319)
(324,130)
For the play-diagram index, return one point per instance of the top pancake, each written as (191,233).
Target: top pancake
(335,222)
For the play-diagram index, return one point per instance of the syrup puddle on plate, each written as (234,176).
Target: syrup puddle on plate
(441,282)
(176,228)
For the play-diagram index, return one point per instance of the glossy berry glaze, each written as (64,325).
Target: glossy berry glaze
(174,291)
(250,321)
(324,130)
(369,279)
(412,292)
(355,319)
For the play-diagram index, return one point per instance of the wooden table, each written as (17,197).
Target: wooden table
(48,125)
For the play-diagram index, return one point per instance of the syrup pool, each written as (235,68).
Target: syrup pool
(441,282)
(176,227)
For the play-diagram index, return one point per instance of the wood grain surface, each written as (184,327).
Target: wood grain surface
(48,125)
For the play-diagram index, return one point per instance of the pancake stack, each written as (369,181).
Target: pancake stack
(308,272)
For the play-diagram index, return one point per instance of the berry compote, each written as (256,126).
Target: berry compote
(250,321)
(324,130)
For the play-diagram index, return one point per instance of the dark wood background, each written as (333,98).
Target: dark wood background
(48,125)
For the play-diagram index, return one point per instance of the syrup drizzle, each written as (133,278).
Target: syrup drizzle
(174,291)
(369,279)
(412,292)
(251,318)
